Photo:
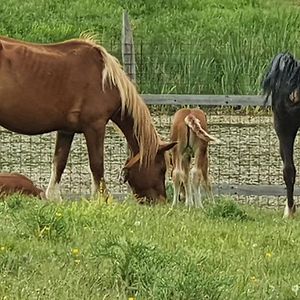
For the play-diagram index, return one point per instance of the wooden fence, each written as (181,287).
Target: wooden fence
(128,56)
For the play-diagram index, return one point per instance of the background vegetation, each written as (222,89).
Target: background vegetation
(88,250)
(183,46)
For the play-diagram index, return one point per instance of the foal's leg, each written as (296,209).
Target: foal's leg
(62,149)
(186,181)
(95,144)
(205,177)
(176,178)
(286,143)
(196,180)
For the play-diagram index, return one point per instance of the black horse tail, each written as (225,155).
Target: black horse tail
(282,75)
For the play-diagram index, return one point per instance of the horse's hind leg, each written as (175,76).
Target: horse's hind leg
(206,183)
(286,141)
(62,149)
(176,178)
(95,143)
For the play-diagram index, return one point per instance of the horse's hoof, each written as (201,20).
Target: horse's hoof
(289,213)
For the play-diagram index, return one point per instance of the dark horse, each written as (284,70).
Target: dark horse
(282,81)
(76,86)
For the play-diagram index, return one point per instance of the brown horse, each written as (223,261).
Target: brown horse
(72,87)
(189,129)
(11,183)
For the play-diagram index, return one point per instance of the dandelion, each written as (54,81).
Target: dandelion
(75,251)
(295,289)
(131,298)
(58,214)
(2,248)
(269,254)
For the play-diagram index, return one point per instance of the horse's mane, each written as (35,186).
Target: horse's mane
(282,77)
(144,129)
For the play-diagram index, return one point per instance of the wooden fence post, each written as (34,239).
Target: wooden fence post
(128,54)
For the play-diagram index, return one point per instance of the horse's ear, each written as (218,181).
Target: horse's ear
(166,147)
(124,175)
(132,161)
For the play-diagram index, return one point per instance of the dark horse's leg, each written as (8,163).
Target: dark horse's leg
(286,134)
(62,149)
(94,136)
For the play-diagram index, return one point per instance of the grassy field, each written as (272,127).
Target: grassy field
(188,46)
(88,250)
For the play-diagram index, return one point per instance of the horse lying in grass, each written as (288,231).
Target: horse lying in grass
(282,82)
(76,86)
(11,183)
(189,129)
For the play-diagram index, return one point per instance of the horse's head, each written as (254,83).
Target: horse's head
(148,181)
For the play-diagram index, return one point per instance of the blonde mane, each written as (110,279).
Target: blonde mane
(144,130)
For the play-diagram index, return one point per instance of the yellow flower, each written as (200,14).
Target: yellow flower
(253,278)
(58,214)
(75,251)
(2,248)
(269,254)
(131,298)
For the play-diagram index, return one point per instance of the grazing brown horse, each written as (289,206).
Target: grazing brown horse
(189,129)
(282,82)
(72,87)
(11,183)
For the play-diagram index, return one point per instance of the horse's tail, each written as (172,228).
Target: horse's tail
(281,76)
(194,123)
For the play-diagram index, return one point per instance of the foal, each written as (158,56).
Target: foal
(189,129)
(11,183)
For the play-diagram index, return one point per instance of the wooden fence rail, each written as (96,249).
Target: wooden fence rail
(129,63)
(218,100)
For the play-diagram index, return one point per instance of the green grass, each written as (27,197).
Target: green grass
(84,250)
(189,46)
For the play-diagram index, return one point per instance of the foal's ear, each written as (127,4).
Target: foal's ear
(166,147)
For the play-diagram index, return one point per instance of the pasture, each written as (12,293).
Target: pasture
(92,250)
(182,46)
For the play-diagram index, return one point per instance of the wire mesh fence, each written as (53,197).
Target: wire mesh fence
(248,153)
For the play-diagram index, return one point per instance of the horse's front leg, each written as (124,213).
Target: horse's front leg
(62,149)
(286,144)
(94,136)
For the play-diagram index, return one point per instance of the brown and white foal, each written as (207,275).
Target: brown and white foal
(189,129)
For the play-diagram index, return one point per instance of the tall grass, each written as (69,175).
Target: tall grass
(91,250)
(187,46)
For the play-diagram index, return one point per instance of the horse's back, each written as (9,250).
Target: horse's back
(17,183)
(53,83)
(179,117)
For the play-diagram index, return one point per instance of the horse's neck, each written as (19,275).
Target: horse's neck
(125,123)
